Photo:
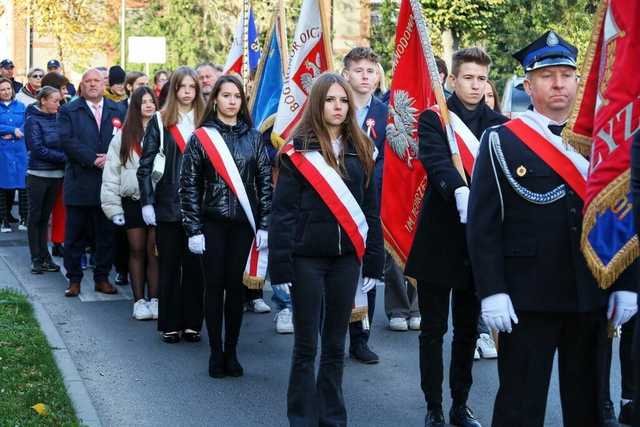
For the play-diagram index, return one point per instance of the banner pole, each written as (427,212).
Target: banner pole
(325,15)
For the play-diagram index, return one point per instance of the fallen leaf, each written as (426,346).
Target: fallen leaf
(41,409)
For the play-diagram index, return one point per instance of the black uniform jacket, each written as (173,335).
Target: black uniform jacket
(533,252)
(439,252)
(204,194)
(303,225)
(164,197)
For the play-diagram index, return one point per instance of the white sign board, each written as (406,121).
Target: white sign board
(147,50)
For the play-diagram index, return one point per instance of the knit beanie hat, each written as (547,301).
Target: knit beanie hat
(116,75)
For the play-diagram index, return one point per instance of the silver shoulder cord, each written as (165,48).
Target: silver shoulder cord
(537,198)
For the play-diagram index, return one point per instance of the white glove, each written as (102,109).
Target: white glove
(262,239)
(149,215)
(498,312)
(283,287)
(118,219)
(196,244)
(622,306)
(367,284)
(462,202)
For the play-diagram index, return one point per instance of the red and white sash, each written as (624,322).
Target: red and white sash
(224,164)
(338,198)
(468,144)
(532,129)
(180,135)
(334,193)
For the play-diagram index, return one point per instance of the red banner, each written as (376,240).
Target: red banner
(603,122)
(405,180)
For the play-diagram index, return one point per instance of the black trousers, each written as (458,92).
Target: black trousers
(525,362)
(227,248)
(358,336)
(42,197)
(6,204)
(121,252)
(180,280)
(627,370)
(322,297)
(434,310)
(82,221)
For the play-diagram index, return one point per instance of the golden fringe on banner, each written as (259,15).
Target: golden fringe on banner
(613,193)
(582,143)
(359,313)
(252,282)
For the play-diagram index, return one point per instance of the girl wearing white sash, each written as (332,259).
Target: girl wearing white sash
(180,272)
(320,257)
(225,197)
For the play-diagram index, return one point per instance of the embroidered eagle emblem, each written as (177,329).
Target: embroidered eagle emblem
(400,132)
(307,79)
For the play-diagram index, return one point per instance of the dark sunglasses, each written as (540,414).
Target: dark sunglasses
(37,76)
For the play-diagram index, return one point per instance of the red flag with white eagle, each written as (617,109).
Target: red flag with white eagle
(310,56)
(605,117)
(415,87)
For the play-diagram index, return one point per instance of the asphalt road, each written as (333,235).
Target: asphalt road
(135,379)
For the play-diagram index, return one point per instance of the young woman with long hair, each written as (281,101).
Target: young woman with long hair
(325,235)
(120,199)
(180,271)
(215,215)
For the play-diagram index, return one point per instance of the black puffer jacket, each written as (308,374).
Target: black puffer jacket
(164,197)
(303,225)
(205,195)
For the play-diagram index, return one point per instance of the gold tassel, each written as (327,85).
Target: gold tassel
(359,313)
(252,282)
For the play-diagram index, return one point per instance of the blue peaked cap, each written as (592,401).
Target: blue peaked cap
(548,50)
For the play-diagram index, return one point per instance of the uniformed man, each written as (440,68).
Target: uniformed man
(438,258)
(524,227)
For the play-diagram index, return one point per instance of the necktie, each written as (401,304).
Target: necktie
(556,129)
(97,114)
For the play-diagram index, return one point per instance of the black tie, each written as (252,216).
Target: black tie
(556,129)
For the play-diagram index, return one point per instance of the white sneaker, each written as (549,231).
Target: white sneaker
(5,228)
(414,323)
(486,347)
(258,306)
(284,324)
(141,311)
(152,305)
(476,355)
(398,324)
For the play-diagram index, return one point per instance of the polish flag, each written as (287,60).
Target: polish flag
(236,54)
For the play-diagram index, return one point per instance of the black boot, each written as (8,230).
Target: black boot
(626,413)
(232,367)
(461,416)
(216,365)
(434,418)
(57,250)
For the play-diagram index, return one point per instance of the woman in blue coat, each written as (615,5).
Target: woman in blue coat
(13,156)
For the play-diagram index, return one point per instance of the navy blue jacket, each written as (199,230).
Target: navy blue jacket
(82,142)
(43,141)
(378,112)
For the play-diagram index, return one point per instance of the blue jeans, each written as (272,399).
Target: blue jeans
(281,299)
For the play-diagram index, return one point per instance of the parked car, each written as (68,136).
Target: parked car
(515,100)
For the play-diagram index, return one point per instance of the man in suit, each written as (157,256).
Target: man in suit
(87,125)
(524,229)
(360,70)
(439,259)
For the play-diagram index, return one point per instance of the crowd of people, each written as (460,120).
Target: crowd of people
(167,181)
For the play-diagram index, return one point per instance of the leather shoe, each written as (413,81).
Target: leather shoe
(461,416)
(608,415)
(363,354)
(106,288)
(73,290)
(232,367)
(434,418)
(626,413)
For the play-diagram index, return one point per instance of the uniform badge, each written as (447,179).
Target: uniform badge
(552,39)
(521,171)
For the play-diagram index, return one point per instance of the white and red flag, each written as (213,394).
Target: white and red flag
(235,58)
(310,56)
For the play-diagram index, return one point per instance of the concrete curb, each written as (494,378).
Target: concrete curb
(76,389)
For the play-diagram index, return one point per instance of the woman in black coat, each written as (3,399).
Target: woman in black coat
(313,254)
(44,174)
(214,217)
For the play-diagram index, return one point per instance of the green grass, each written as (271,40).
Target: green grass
(28,373)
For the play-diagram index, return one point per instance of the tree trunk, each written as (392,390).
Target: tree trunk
(450,43)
